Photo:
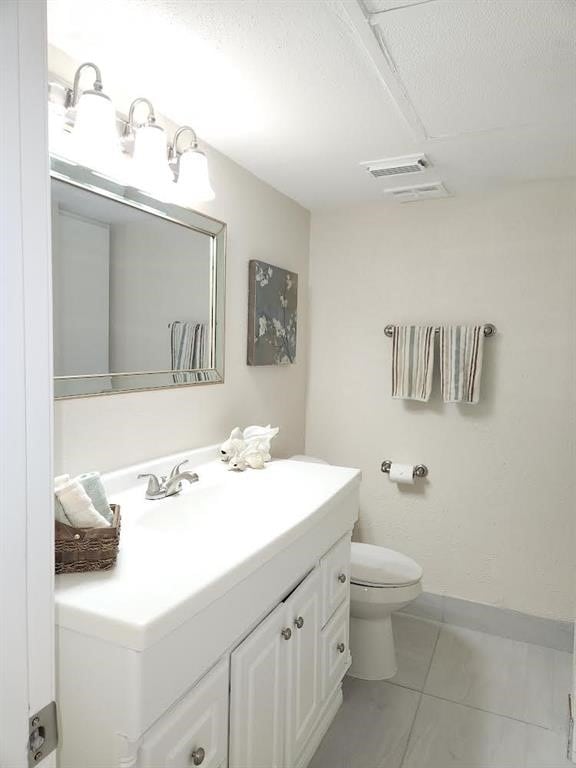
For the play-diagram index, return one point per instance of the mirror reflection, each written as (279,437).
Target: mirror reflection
(133,292)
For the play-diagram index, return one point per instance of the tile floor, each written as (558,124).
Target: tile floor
(461,699)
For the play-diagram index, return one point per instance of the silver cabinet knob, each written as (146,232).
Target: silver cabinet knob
(340,647)
(299,622)
(287,633)
(342,578)
(198,756)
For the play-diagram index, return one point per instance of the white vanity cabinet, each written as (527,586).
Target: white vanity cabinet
(276,682)
(288,671)
(232,653)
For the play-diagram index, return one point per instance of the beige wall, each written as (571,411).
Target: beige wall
(495,521)
(116,430)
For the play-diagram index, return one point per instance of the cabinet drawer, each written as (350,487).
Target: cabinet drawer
(195,732)
(335,650)
(336,576)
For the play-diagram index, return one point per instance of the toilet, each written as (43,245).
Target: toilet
(382,581)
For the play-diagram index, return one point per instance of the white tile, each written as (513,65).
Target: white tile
(414,640)
(546,749)
(502,676)
(447,734)
(549,681)
(371,729)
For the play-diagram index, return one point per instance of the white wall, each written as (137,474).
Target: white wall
(495,521)
(159,272)
(116,430)
(80,285)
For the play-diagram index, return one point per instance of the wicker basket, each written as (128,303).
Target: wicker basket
(87,549)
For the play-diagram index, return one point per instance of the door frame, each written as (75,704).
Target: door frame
(26,486)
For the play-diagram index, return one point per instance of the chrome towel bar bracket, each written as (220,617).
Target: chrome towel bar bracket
(489,330)
(420,470)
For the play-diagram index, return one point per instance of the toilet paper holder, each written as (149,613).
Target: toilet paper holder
(420,470)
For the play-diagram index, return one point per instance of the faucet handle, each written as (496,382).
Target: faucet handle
(176,469)
(154,486)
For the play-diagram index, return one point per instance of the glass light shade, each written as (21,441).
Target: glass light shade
(95,142)
(150,160)
(193,178)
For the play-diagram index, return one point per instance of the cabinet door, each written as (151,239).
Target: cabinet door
(195,732)
(258,685)
(304,611)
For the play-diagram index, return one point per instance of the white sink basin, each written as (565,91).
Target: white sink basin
(193,509)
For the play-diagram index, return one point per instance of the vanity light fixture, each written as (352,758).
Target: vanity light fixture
(83,130)
(94,140)
(190,168)
(149,155)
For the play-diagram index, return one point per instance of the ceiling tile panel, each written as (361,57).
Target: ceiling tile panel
(485,65)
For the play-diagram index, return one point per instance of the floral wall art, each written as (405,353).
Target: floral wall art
(272,314)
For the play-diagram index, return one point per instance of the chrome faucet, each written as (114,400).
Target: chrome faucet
(160,488)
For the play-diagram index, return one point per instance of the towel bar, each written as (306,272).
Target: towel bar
(420,470)
(489,330)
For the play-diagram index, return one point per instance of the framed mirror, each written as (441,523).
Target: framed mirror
(138,288)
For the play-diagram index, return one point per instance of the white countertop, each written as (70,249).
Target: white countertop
(178,555)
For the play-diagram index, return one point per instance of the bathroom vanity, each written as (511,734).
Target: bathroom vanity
(221,637)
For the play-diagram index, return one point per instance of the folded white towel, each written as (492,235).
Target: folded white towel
(94,487)
(59,513)
(78,507)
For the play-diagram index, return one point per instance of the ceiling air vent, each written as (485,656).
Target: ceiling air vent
(421,192)
(396,166)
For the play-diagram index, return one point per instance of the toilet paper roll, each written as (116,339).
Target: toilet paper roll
(403,474)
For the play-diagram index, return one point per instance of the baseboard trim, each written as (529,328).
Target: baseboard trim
(503,622)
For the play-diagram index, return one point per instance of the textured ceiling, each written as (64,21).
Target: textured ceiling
(299,91)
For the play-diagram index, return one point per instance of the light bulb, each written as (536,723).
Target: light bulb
(193,178)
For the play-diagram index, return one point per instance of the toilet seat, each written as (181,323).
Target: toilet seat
(374,566)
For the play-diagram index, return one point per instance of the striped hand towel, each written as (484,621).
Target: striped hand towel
(461,362)
(187,348)
(412,361)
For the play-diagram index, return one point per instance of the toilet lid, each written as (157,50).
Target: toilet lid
(371,564)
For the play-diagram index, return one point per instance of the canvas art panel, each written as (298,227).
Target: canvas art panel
(272,320)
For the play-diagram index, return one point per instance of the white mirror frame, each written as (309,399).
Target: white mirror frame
(66,387)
